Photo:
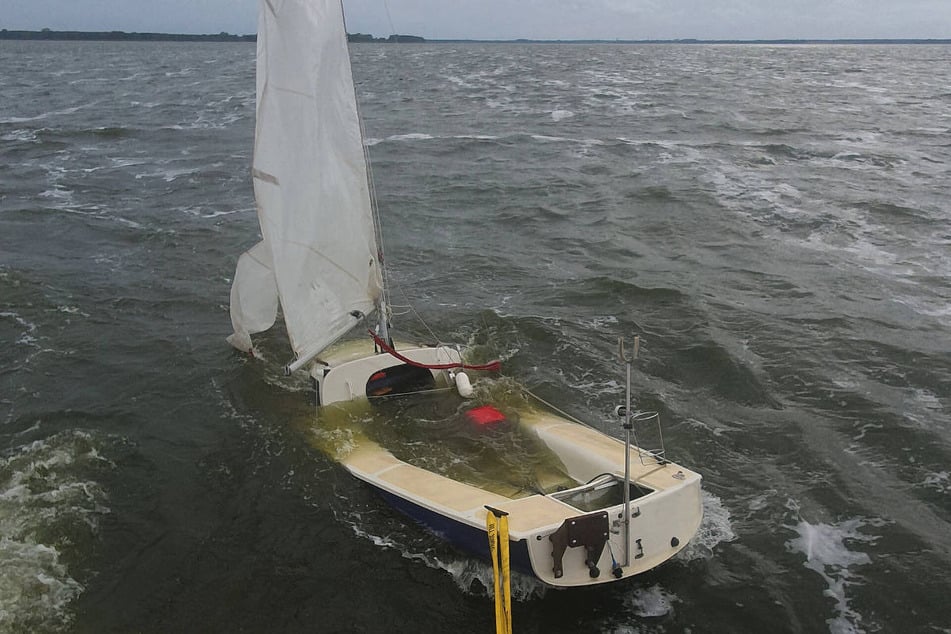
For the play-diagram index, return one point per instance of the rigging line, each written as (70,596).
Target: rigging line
(640,452)
(375,209)
(371,186)
(435,390)
(412,309)
(374,204)
(558,411)
(389,17)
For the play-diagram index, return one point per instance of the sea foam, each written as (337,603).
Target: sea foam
(715,528)
(47,506)
(828,549)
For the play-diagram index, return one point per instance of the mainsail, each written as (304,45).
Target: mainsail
(310,183)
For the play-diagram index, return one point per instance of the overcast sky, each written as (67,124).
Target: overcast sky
(510,19)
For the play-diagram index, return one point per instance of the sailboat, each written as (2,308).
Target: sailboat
(610,511)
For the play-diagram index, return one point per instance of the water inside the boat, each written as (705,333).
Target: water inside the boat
(476,441)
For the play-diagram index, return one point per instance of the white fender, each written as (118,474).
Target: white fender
(463,385)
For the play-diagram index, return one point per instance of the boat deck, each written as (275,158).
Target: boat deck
(374,464)
(527,514)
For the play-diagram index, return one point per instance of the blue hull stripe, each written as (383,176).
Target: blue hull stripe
(463,536)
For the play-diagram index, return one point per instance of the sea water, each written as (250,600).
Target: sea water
(772,220)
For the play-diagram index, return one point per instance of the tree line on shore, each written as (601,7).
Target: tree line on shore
(49,34)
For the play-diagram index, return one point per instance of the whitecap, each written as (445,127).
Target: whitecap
(412,136)
(126,162)
(57,194)
(26,336)
(22,135)
(477,137)
(715,529)
(864,429)
(828,554)
(458,81)
(559,115)
(600,321)
(940,481)
(928,399)
(597,387)
(474,576)
(713,429)
(168,175)
(35,587)
(550,139)
(41,493)
(215,214)
(651,602)
(200,212)
(128,223)
(41,116)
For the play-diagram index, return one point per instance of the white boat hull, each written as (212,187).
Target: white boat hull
(666,508)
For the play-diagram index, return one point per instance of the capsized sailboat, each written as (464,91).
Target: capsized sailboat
(611,510)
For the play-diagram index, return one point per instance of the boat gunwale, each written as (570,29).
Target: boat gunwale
(475,515)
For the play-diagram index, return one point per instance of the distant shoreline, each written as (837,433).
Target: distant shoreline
(125,36)
(47,34)
(696,41)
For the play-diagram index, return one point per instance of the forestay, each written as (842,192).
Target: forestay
(310,184)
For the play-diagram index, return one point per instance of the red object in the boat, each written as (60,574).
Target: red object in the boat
(485,415)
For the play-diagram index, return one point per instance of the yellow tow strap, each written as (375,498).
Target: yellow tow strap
(497,526)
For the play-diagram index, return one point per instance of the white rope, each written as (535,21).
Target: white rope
(412,309)
(558,411)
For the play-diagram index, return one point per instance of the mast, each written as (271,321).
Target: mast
(382,305)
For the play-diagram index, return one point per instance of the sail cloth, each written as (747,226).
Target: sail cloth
(310,178)
(253,296)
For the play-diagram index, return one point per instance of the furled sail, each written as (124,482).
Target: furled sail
(310,181)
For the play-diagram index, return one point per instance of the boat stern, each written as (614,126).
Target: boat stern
(589,548)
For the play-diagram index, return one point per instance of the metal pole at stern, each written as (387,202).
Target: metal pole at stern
(628,362)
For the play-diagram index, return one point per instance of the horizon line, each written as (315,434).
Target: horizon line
(47,33)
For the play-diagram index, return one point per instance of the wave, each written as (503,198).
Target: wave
(43,116)
(890,211)
(710,366)
(27,335)
(49,511)
(508,138)
(596,290)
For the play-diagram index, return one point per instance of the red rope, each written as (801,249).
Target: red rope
(492,366)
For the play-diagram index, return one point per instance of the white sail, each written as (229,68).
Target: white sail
(310,175)
(253,296)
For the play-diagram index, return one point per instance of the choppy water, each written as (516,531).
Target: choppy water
(773,220)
